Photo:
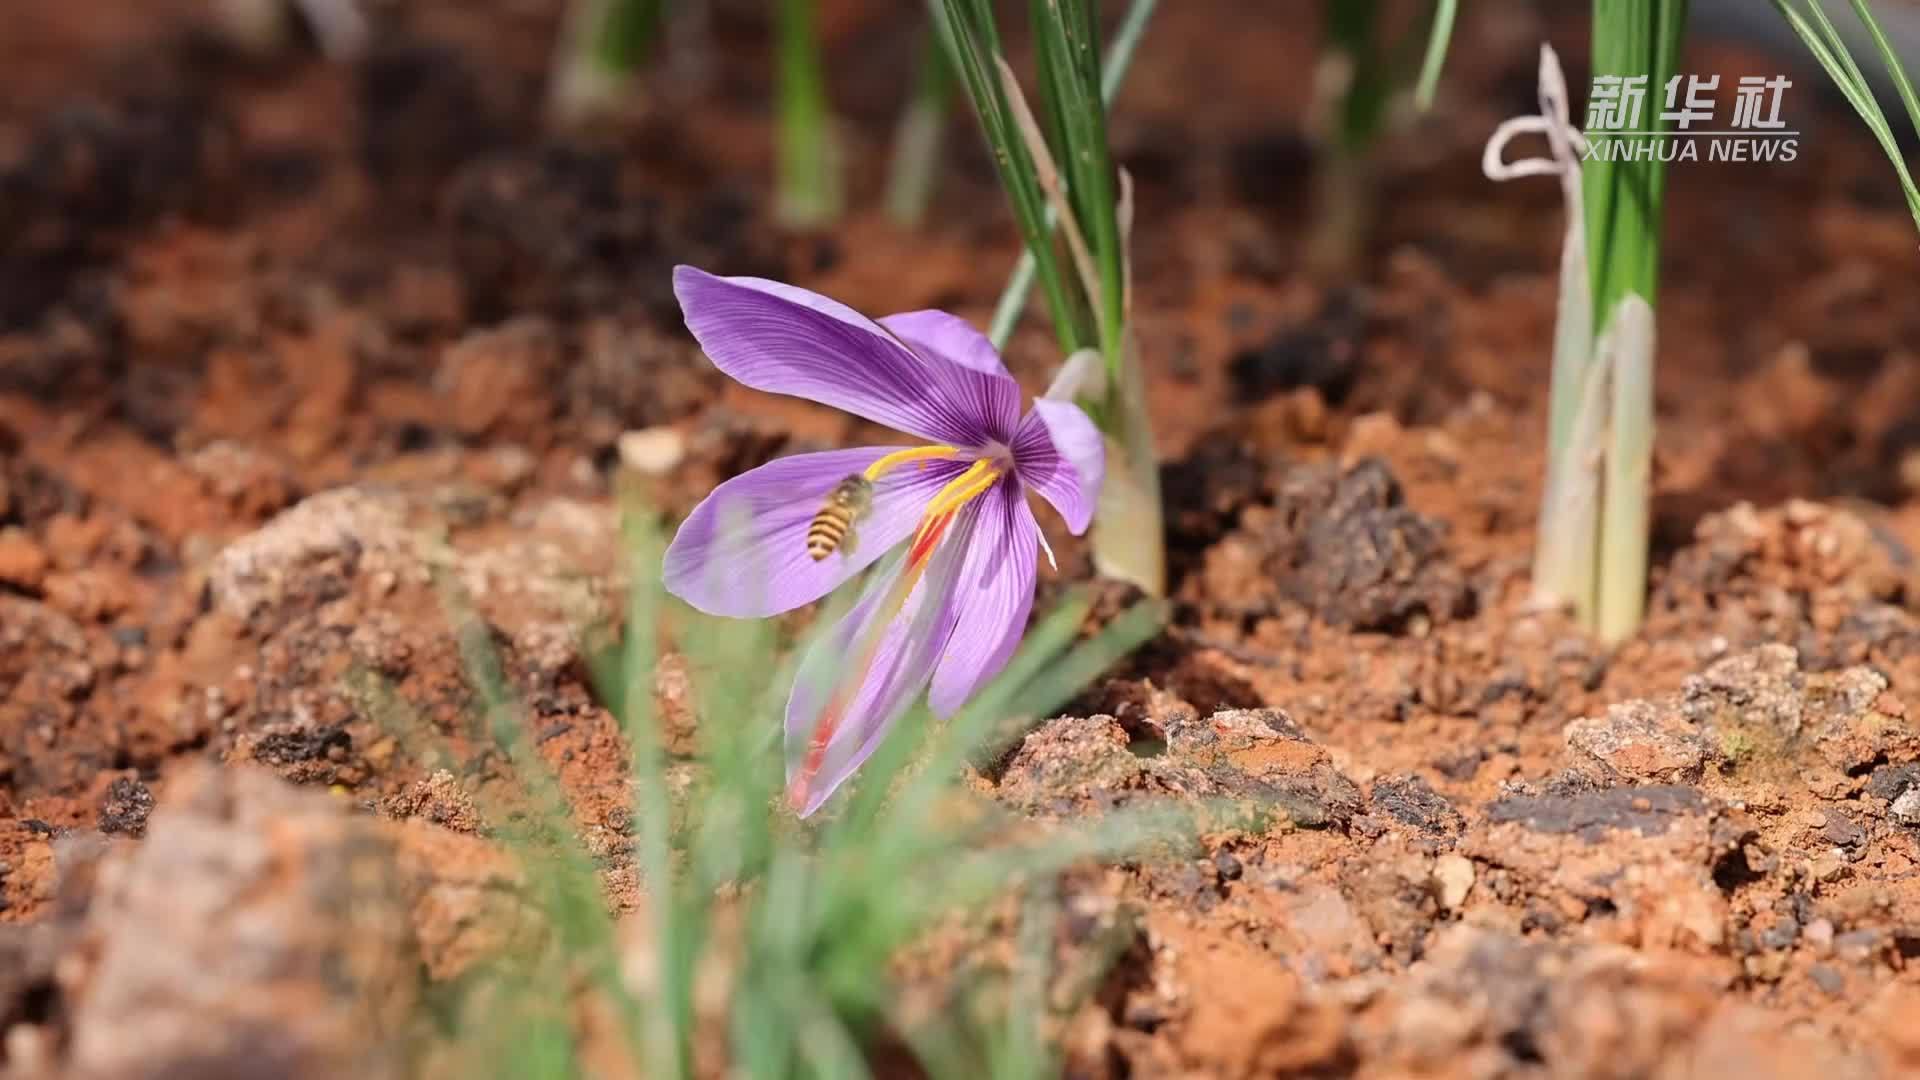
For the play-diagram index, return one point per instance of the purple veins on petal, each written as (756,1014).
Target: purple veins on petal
(861,677)
(992,597)
(786,340)
(938,333)
(1062,456)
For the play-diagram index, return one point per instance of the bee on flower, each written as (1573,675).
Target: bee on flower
(949,514)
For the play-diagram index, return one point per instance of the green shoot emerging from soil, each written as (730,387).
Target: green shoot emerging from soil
(1591,551)
(601,48)
(915,167)
(1359,79)
(1058,170)
(808,192)
(1809,20)
(1631,38)
(764,947)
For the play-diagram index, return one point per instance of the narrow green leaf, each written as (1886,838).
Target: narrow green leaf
(1438,40)
(971,38)
(809,181)
(1013,299)
(1824,41)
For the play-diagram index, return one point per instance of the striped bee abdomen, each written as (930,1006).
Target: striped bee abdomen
(832,528)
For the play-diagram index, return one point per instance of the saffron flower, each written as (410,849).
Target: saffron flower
(950,514)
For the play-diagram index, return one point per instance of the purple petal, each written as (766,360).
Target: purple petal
(786,340)
(909,646)
(1060,454)
(992,596)
(950,337)
(743,550)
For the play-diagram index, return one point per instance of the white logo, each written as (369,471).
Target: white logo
(1616,104)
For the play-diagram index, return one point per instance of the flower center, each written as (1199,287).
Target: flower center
(945,503)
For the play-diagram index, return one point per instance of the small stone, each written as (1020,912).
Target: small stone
(1859,945)
(1453,879)
(23,563)
(1906,808)
(1889,781)
(1841,830)
(653,451)
(310,551)
(1780,935)
(440,799)
(1819,935)
(1227,865)
(287,950)
(1827,979)
(1638,742)
(1409,800)
(126,807)
(29,1050)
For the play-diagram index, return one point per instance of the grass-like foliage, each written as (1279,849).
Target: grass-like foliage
(808,192)
(914,169)
(1366,66)
(1058,169)
(1623,198)
(1809,20)
(1439,37)
(768,944)
(1631,38)
(601,49)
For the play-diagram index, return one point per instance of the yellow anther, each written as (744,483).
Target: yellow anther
(963,488)
(922,454)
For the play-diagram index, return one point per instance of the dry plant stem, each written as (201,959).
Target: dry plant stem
(1565,550)
(1049,176)
(1565,553)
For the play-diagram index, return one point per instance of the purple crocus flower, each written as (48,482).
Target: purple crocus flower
(945,614)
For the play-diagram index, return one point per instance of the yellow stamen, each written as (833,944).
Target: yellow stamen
(963,488)
(922,454)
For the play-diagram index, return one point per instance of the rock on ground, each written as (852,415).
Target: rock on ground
(259,930)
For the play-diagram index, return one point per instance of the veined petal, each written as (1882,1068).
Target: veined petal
(858,680)
(938,333)
(991,599)
(743,550)
(786,340)
(1060,454)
